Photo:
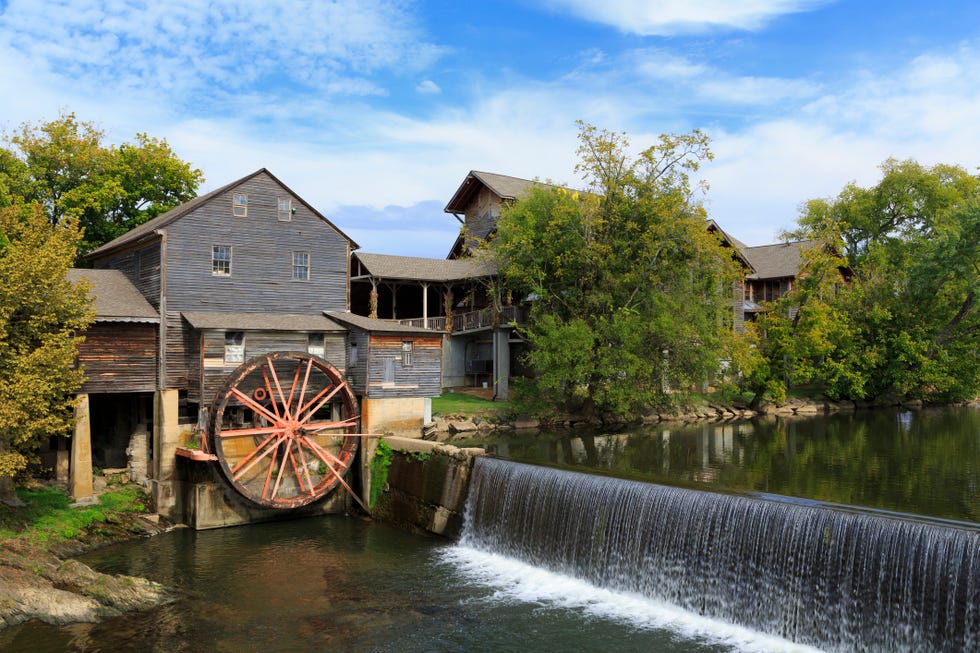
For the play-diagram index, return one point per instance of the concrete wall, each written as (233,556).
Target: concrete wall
(400,416)
(427,485)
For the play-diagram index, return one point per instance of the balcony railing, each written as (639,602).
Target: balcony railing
(471,320)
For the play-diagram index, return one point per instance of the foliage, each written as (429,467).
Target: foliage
(67,168)
(629,290)
(907,325)
(47,514)
(379,470)
(41,315)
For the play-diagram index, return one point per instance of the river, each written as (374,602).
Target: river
(343,584)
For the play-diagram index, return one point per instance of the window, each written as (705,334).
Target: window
(239,205)
(234,346)
(408,348)
(353,353)
(317,345)
(301,266)
(285,209)
(221,260)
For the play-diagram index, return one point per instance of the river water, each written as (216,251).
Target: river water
(343,584)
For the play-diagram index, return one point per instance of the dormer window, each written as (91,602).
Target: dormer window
(239,205)
(285,209)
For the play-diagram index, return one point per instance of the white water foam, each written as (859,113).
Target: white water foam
(516,581)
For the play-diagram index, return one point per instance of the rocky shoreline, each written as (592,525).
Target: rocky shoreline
(446,428)
(37,582)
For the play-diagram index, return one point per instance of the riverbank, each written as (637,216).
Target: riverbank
(481,419)
(38,578)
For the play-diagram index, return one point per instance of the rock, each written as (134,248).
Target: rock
(464,426)
(526,423)
(808,409)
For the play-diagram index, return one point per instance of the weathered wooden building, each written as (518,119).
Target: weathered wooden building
(188,298)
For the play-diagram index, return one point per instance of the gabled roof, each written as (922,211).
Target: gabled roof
(260,321)
(115,298)
(163,220)
(505,186)
(410,268)
(377,326)
(733,242)
(777,261)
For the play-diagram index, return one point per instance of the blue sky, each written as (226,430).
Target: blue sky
(375,110)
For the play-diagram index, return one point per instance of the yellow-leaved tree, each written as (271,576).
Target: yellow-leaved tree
(42,315)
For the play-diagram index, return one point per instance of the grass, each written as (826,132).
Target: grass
(459,403)
(49,516)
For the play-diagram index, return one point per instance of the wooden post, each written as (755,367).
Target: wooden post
(425,305)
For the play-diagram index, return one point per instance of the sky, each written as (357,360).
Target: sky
(374,111)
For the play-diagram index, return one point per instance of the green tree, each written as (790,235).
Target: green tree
(66,166)
(629,290)
(908,324)
(41,315)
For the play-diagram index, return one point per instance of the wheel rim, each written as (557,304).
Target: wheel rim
(284,429)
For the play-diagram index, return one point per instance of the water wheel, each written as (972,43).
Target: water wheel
(284,429)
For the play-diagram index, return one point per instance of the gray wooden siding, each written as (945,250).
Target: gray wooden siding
(119,357)
(215,370)
(141,266)
(261,267)
(183,357)
(422,379)
(358,372)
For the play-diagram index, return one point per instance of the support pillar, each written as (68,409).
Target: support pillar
(80,470)
(501,364)
(166,437)
(425,305)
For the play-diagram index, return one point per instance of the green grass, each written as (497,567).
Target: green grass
(48,515)
(458,403)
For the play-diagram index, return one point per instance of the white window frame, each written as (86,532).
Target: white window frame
(284,214)
(408,350)
(217,263)
(234,347)
(297,266)
(317,348)
(239,205)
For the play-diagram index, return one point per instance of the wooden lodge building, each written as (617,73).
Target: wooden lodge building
(184,299)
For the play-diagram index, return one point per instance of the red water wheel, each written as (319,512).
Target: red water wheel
(284,429)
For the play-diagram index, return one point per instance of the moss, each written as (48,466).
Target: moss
(379,470)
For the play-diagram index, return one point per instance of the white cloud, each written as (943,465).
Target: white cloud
(669,17)
(190,49)
(428,87)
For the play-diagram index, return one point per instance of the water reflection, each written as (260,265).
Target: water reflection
(923,462)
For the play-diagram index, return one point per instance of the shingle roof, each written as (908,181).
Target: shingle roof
(260,321)
(377,326)
(507,187)
(410,268)
(147,228)
(776,261)
(115,298)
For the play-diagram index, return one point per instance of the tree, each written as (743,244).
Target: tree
(66,167)
(41,315)
(629,291)
(908,325)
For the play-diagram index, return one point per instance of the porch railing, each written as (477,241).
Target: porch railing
(471,320)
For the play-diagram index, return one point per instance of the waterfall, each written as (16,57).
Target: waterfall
(834,579)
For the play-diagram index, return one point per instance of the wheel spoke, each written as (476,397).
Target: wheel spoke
(237,470)
(268,474)
(320,426)
(262,430)
(282,468)
(292,388)
(323,401)
(302,464)
(324,455)
(255,406)
(268,388)
(282,397)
